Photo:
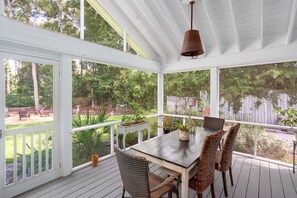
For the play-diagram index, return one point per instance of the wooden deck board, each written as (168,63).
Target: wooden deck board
(275,182)
(252,178)
(265,187)
(252,190)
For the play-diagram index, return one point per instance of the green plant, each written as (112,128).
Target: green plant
(137,117)
(183,127)
(86,143)
(290,117)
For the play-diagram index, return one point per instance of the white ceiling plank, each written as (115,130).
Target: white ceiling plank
(291,22)
(187,19)
(237,37)
(107,5)
(245,58)
(142,6)
(169,19)
(142,28)
(212,25)
(261,17)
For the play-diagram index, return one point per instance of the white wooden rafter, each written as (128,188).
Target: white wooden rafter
(108,6)
(187,19)
(291,22)
(261,16)
(147,13)
(212,24)
(163,9)
(233,20)
(130,13)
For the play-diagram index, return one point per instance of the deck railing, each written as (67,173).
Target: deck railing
(33,157)
(254,131)
(113,126)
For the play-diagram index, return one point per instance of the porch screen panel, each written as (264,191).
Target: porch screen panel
(257,94)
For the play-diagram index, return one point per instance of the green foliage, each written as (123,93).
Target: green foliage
(19,101)
(137,116)
(267,144)
(290,117)
(183,127)
(86,143)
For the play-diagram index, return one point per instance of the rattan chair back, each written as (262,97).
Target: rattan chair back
(213,123)
(228,148)
(134,173)
(206,162)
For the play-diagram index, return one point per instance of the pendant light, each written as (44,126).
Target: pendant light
(192,43)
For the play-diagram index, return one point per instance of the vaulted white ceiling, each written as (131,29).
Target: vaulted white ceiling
(226,26)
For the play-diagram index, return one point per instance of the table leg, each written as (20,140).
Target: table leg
(139,137)
(185,183)
(124,141)
(294,153)
(117,139)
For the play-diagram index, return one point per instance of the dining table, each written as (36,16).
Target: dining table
(177,155)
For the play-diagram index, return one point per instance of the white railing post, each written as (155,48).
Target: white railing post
(160,100)
(255,141)
(184,121)
(2,122)
(65,115)
(111,139)
(214,91)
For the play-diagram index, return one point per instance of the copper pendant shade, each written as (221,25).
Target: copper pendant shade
(192,43)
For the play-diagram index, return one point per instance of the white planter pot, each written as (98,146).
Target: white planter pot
(183,135)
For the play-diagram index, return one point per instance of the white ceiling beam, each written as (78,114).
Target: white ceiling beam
(26,37)
(163,9)
(212,25)
(123,5)
(187,19)
(153,22)
(233,20)
(291,22)
(107,5)
(261,13)
(249,58)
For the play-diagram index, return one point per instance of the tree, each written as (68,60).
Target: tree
(35,85)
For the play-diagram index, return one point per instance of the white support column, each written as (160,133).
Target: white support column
(82,19)
(214,91)
(2,124)
(124,41)
(160,100)
(1,7)
(66,114)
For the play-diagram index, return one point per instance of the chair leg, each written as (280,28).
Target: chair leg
(175,190)
(212,191)
(199,195)
(123,195)
(170,194)
(225,183)
(231,176)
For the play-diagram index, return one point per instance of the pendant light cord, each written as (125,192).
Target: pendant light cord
(192,2)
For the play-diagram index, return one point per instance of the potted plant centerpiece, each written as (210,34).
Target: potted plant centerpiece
(185,129)
(290,119)
(183,132)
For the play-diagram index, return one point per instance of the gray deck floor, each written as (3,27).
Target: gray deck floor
(252,178)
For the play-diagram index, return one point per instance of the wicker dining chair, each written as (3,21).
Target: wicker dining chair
(224,158)
(138,181)
(206,165)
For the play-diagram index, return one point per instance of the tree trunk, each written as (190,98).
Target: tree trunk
(35,84)
(8,82)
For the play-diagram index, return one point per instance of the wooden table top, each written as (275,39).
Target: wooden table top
(169,148)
